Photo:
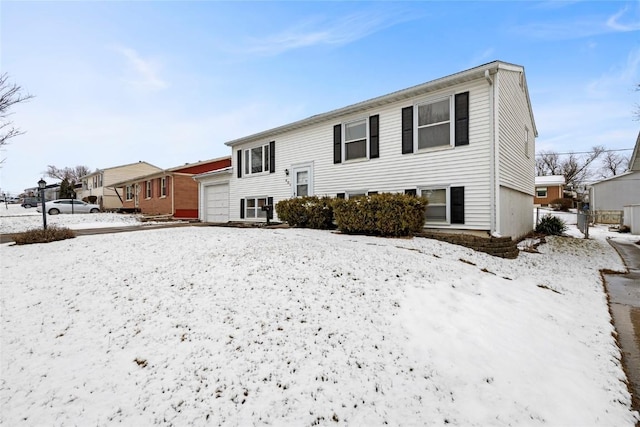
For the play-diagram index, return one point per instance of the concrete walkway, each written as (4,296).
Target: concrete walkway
(624,304)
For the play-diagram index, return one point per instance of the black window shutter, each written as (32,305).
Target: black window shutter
(411,192)
(272,157)
(407,130)
(457,205)
(239,164)
(340,195)
(337,144)
(374,139)
(462,119)
(241,208)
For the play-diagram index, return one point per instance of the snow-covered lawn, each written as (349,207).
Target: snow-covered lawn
(14,218)
(290,327)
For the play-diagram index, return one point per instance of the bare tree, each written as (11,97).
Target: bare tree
(10,94)
(548,163)
(72,175)
(575,168)
(613,164)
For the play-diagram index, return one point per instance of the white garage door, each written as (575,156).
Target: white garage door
(217,203)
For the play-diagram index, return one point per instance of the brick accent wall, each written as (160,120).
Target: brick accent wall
(553,192)
(185,192)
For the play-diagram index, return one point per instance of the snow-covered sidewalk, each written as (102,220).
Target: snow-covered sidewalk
(290,327)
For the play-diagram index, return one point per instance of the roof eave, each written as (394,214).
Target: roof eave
(421,89)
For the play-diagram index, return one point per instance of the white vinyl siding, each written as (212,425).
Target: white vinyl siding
(514,122)
(469,167)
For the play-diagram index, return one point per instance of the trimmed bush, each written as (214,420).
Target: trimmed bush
(561,204)
(38,235)
(309,212)
(380,214)
(550,224)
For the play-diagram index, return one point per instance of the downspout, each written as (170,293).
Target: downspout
(494,153)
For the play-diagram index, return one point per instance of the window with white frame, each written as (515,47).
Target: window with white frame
(437,208)
(541,192)
(256,160)
(163,186)
(253,207)
(129,192)
(434,123)
(148,189)
(355,140)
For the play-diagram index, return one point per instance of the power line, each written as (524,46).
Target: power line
(583,152)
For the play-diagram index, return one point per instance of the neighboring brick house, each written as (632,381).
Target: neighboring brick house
(167,192)
(548,189)
(100,183)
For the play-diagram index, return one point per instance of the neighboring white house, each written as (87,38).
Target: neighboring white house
(465,141)
(100,183)
(616,192)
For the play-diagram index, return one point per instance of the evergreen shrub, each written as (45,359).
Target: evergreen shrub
(307,212)
(380,214)
(39,235)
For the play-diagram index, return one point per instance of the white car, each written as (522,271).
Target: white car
(55,207)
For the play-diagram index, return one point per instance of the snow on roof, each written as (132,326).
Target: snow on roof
(550,180)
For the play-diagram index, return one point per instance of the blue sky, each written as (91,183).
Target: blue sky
(170,82)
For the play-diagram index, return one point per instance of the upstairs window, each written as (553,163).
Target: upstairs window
(256,160)
(434,124)
(355,140)
(358,139)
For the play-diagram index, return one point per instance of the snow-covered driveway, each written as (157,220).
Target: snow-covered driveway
(220,326)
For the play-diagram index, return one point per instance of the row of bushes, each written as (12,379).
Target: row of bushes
(380,214)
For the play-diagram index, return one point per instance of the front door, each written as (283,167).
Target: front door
(302,182)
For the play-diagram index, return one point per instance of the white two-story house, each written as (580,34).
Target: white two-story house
(464,141)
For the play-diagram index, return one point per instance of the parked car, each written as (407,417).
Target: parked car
(55,207)
(30,202)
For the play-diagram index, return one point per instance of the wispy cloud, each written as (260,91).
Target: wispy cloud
(615,22)
(146,70)
(618,77)
(329,32)
(580,27)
